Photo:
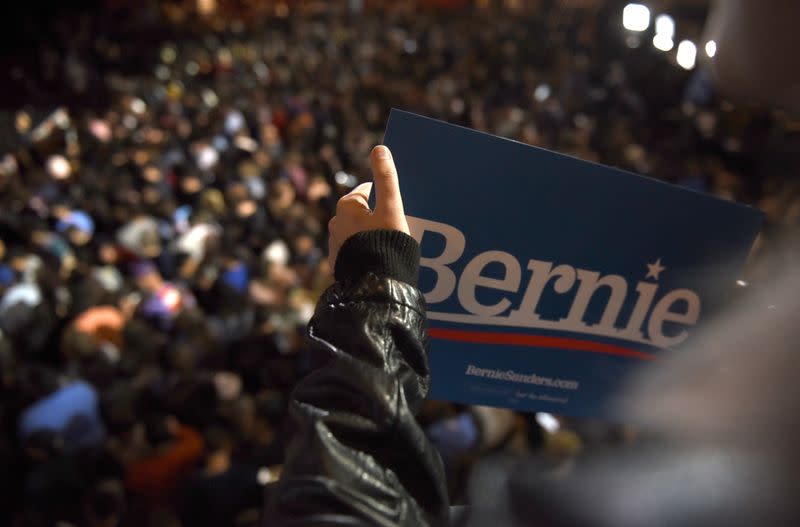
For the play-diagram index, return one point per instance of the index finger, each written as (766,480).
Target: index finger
(387,185)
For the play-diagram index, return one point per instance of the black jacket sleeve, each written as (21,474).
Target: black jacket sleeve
(358,456)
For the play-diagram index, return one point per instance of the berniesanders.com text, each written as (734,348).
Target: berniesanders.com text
(513,376)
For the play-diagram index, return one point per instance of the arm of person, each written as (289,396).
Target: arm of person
(358,456)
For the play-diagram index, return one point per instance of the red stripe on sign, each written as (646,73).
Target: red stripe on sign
(518,339)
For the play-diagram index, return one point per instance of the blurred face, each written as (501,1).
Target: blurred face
(246,208)
(237,192)
(283,196)
(107,253)
(151,195)
(151,174)
(150,282)
(262,159)
(79,237)
(304,245)
(100,130)
(39,237)
(191,184)
(270,134)
(318,189)
(60,211)
(141,157)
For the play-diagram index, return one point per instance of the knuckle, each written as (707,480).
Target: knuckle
(348,204)
(341,204)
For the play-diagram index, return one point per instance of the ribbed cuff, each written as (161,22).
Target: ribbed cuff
(386,253)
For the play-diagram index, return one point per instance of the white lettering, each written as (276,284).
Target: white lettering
(471,278)
(453,249)
(562,279)
(647,292)
(541,274)
(590,283)
(662,313)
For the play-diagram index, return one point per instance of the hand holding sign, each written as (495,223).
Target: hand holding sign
(353,214)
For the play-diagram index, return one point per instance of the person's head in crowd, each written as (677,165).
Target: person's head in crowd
(160,430)
(148,278)
(42,445)
(220,445)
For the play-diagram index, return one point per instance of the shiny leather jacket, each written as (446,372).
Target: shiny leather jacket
(358,456)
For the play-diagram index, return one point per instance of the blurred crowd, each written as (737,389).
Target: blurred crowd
(162,247)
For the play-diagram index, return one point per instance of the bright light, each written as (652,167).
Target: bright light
(207,157)
(277,252)
(665,25)
(344,179)
(210,98)
(138,106)
(248,144)
(265,475)
(741,283)
(59,167)
(711,48)
(192,68)
(548,422)
(687,54)
(206,7)
(171,299)
(663,42)
(542,93)
(636,17)
(168,54)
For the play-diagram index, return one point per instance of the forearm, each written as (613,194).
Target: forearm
(358,454)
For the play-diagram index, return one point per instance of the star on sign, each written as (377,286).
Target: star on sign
(654,269)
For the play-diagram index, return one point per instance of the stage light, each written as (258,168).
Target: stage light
(687,54)
(663,42)
(665,26)
(711,49)
(636,17)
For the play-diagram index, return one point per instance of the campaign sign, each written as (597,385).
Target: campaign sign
(549,279)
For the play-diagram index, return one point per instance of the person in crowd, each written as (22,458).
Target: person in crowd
(223,493)
(358,455)
(170,452)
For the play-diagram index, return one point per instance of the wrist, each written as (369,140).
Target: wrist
(385,253)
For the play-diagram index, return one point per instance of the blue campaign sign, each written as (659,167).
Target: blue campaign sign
(549,279)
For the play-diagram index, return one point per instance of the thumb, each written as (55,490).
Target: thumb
(387,187)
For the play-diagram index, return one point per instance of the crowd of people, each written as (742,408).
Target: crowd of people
(161,250)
